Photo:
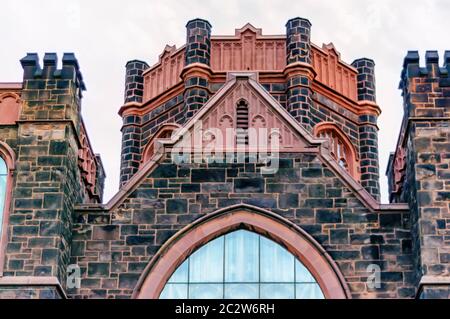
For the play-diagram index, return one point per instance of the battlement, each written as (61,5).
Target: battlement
(70,69)
(412,68)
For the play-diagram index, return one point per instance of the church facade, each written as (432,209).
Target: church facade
(249,169)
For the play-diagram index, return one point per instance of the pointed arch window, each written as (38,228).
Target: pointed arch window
(242,265)
(165,131)
(3,191)
(341,147)
(7,161)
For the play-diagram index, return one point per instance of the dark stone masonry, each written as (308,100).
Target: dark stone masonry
(59,240)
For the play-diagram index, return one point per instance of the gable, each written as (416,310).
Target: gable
(267,125)
(263,108)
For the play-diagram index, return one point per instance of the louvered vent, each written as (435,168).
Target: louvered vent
(242,123)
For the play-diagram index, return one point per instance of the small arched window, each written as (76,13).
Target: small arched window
(242,122)
(164,131)
(341,147)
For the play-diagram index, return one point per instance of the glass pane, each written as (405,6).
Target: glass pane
(255,267)
(3,168)
(308,291)
(206,264)
(277,291)
(2,197)
(174,291)
(302,274)
(241,291)
(277,264)
(205,291)
(242,257)
(181,274)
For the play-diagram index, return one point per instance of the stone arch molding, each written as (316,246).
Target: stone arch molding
(293,238)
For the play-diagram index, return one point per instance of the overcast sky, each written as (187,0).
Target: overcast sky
(106,34)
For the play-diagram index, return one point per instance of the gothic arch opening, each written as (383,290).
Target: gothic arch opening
(341,148)
(260,222)
(164,131)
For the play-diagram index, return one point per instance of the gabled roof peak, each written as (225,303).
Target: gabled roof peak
(248,27)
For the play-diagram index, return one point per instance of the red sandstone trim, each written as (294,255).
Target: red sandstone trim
(149,149)
(324,153)
(353,159)
(9,157)
(10,85)
(258,220)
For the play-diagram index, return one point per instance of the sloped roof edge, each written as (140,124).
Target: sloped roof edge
(324,153)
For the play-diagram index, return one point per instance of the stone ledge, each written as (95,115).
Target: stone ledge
(33,281)
(434,280)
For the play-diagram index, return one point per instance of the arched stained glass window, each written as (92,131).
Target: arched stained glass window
(241,265)
(3,180)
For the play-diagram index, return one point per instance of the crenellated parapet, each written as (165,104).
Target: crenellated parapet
(418,82)
(70,70)
(419,167)
(51,93)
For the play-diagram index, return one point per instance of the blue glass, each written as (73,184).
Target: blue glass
(277,291)
(3,167)
(278,262)
(302,274)
(241,291)
(242,265)
(242,257)
(206,264)
(174,291)
(3,180)
(308,291)
(181,274)
(206,291)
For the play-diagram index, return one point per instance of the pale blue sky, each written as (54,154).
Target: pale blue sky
(105,34)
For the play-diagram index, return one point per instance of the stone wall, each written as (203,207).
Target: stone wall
(47,181)
(425,135)
(113,247)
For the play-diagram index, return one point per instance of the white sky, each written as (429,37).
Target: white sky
(106,34)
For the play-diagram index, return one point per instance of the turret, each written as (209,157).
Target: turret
(420,165)
(131,130)
(49,182)
(197,67)
(299,71)
(368,128)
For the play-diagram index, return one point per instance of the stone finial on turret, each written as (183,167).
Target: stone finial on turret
(298,41)
(198,42)
(365,79)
